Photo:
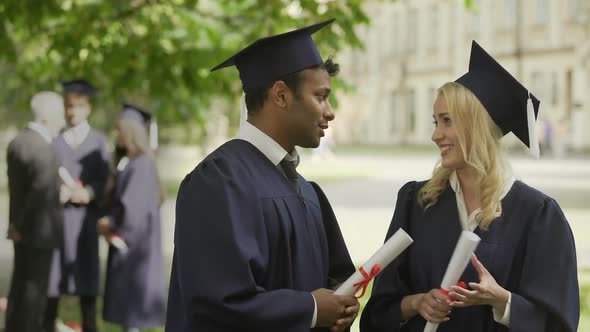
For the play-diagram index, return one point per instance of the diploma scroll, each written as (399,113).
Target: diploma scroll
(464,249)
(118,242)
(67,179)
(385,255)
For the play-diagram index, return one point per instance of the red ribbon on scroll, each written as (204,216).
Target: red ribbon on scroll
(367,279)
(461,284)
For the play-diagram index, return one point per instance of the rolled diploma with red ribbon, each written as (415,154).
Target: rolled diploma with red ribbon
(464,249)
(380,259)
(67,178)
(118,242)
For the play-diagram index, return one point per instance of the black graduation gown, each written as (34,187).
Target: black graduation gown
(529,250)
(135,289)
(75,270)
(248,249)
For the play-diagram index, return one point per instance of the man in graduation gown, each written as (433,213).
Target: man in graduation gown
(256,245)
(82,151)
(35,216)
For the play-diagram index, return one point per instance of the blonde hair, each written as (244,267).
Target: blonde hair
(479,138)
(135,136)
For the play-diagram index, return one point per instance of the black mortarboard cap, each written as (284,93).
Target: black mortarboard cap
(80,87)
(501,94)
(144,118)
(270,58)
(136,113)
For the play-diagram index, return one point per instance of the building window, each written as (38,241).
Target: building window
(474,20)
(394,124)
(395,35)
(510,9)
(538,85)
(575,9)
(412,30)
(434,26)
(432,95)
(554,89)
(411,107)
(542,12)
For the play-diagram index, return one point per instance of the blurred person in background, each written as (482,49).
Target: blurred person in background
(82,151)
(35,216)
(135,289)
(523,276)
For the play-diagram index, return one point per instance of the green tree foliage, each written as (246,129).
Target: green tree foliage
(155,52)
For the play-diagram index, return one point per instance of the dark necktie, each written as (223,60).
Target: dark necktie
(290,173)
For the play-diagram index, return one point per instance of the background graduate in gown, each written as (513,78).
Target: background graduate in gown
(135,288)
(82,151)
(524,275)
(256,245)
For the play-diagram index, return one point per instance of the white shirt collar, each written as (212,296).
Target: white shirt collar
(268,146)
(44,132)
(469,222)
(74,136)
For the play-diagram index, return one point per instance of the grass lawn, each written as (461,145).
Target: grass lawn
(69,309)
(584,279)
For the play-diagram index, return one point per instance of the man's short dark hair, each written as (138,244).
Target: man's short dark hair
(255,99)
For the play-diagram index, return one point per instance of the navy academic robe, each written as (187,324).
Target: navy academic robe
(248,249)
(135,289)
(75,270)
(529,250)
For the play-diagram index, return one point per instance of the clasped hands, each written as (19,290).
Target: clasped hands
(435,306)
(76,195)
(335,311)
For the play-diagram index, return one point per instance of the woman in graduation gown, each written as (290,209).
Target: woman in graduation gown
(523,276)
(135,288)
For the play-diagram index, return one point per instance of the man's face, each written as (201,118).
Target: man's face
(309,113)
(77,108)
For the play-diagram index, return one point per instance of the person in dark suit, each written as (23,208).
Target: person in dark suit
(35,217)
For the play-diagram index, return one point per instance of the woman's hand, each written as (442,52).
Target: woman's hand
(486,292)
(433,306)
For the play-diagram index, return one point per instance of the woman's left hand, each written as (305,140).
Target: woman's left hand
(487,291)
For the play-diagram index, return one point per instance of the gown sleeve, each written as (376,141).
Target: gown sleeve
(341,266)
(99,179)
(137,199)
(220,250)
(383,312)
(547,295)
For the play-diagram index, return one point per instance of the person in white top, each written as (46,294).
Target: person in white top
(523,276)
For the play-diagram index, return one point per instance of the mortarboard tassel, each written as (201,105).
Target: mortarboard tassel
(532,124)
(153,135)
